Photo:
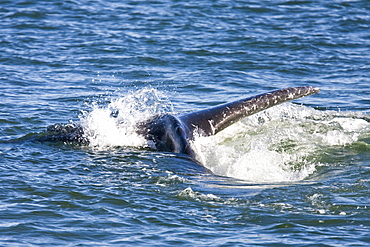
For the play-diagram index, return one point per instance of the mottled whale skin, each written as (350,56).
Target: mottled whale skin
(171,133)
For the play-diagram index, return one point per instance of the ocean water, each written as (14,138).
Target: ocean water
(294,175)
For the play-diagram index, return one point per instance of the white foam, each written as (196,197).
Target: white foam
(190,194)
(277,145)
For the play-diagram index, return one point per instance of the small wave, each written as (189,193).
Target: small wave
(188,193)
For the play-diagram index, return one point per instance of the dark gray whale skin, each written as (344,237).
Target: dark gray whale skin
(171,133)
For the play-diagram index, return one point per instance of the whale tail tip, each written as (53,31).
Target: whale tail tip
(212,120)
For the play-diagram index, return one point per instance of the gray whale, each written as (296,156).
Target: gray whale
(171,133)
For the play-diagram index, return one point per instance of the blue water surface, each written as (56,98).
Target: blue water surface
(60,60)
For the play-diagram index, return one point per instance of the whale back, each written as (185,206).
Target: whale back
(167,133)
(212,120)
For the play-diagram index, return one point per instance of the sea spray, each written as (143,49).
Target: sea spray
(115,124)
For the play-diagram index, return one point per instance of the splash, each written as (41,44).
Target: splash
(280,144)
(115,124)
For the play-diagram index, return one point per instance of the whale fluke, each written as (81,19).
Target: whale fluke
(212,120)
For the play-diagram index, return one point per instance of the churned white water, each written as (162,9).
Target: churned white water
(115,124)
(277,145)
